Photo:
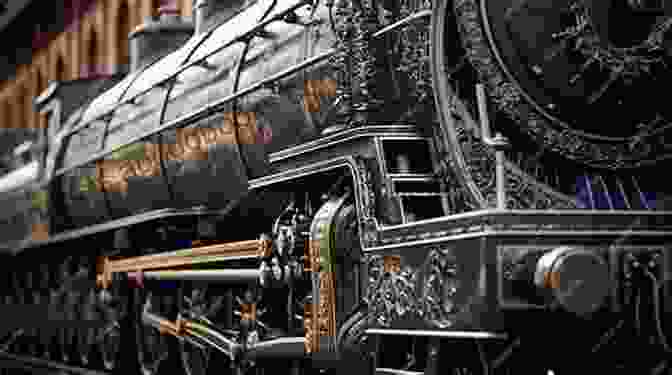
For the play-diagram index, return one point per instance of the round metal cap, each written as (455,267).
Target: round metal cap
(577,279)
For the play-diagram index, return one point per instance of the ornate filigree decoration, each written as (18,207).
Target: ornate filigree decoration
(480,160)
(393,289)
(326,319)
(439,287)
(361,63)
(310,332)
(321,321)
(341,61)
(553,134)
(523,192)
(458,200)
(414,49)
(366,55)
(624,63)
(366,209)
(391,295)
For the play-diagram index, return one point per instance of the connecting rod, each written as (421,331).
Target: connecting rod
(207,254)
(285,347)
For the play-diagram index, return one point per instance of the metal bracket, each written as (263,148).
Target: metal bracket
(499,143)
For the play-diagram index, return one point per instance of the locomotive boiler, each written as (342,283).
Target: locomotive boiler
(377,187)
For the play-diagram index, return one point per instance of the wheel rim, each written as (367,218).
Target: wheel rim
(109,337)
(195,360)
(152,347)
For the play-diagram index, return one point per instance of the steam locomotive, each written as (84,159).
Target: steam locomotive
(378,187)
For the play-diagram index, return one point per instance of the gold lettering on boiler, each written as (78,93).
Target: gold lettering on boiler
(314,89)
(191,144)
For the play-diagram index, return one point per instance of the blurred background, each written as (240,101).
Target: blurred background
(55,40)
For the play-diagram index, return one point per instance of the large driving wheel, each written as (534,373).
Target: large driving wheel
(574,96)
(229,311)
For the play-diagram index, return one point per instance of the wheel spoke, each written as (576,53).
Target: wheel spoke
(114,308)
(152,346)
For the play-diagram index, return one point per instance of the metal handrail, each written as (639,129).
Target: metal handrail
(218,105)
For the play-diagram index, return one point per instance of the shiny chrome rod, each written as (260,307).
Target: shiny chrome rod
(242,276)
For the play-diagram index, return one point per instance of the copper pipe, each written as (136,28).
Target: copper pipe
(207,254)
(251,248)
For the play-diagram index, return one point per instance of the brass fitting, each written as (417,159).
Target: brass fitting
(392,263)
(248,311)
(104,277)
(167,327)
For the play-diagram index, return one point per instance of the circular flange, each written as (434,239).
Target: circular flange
(577,279)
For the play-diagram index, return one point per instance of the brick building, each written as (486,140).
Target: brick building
(91,40)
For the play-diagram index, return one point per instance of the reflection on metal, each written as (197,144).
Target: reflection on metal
(20,177)
(447,334)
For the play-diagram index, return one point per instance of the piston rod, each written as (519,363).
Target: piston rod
(239,276)
(284,347)
(207,254)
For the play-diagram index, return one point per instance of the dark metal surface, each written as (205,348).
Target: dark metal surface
(38,365)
